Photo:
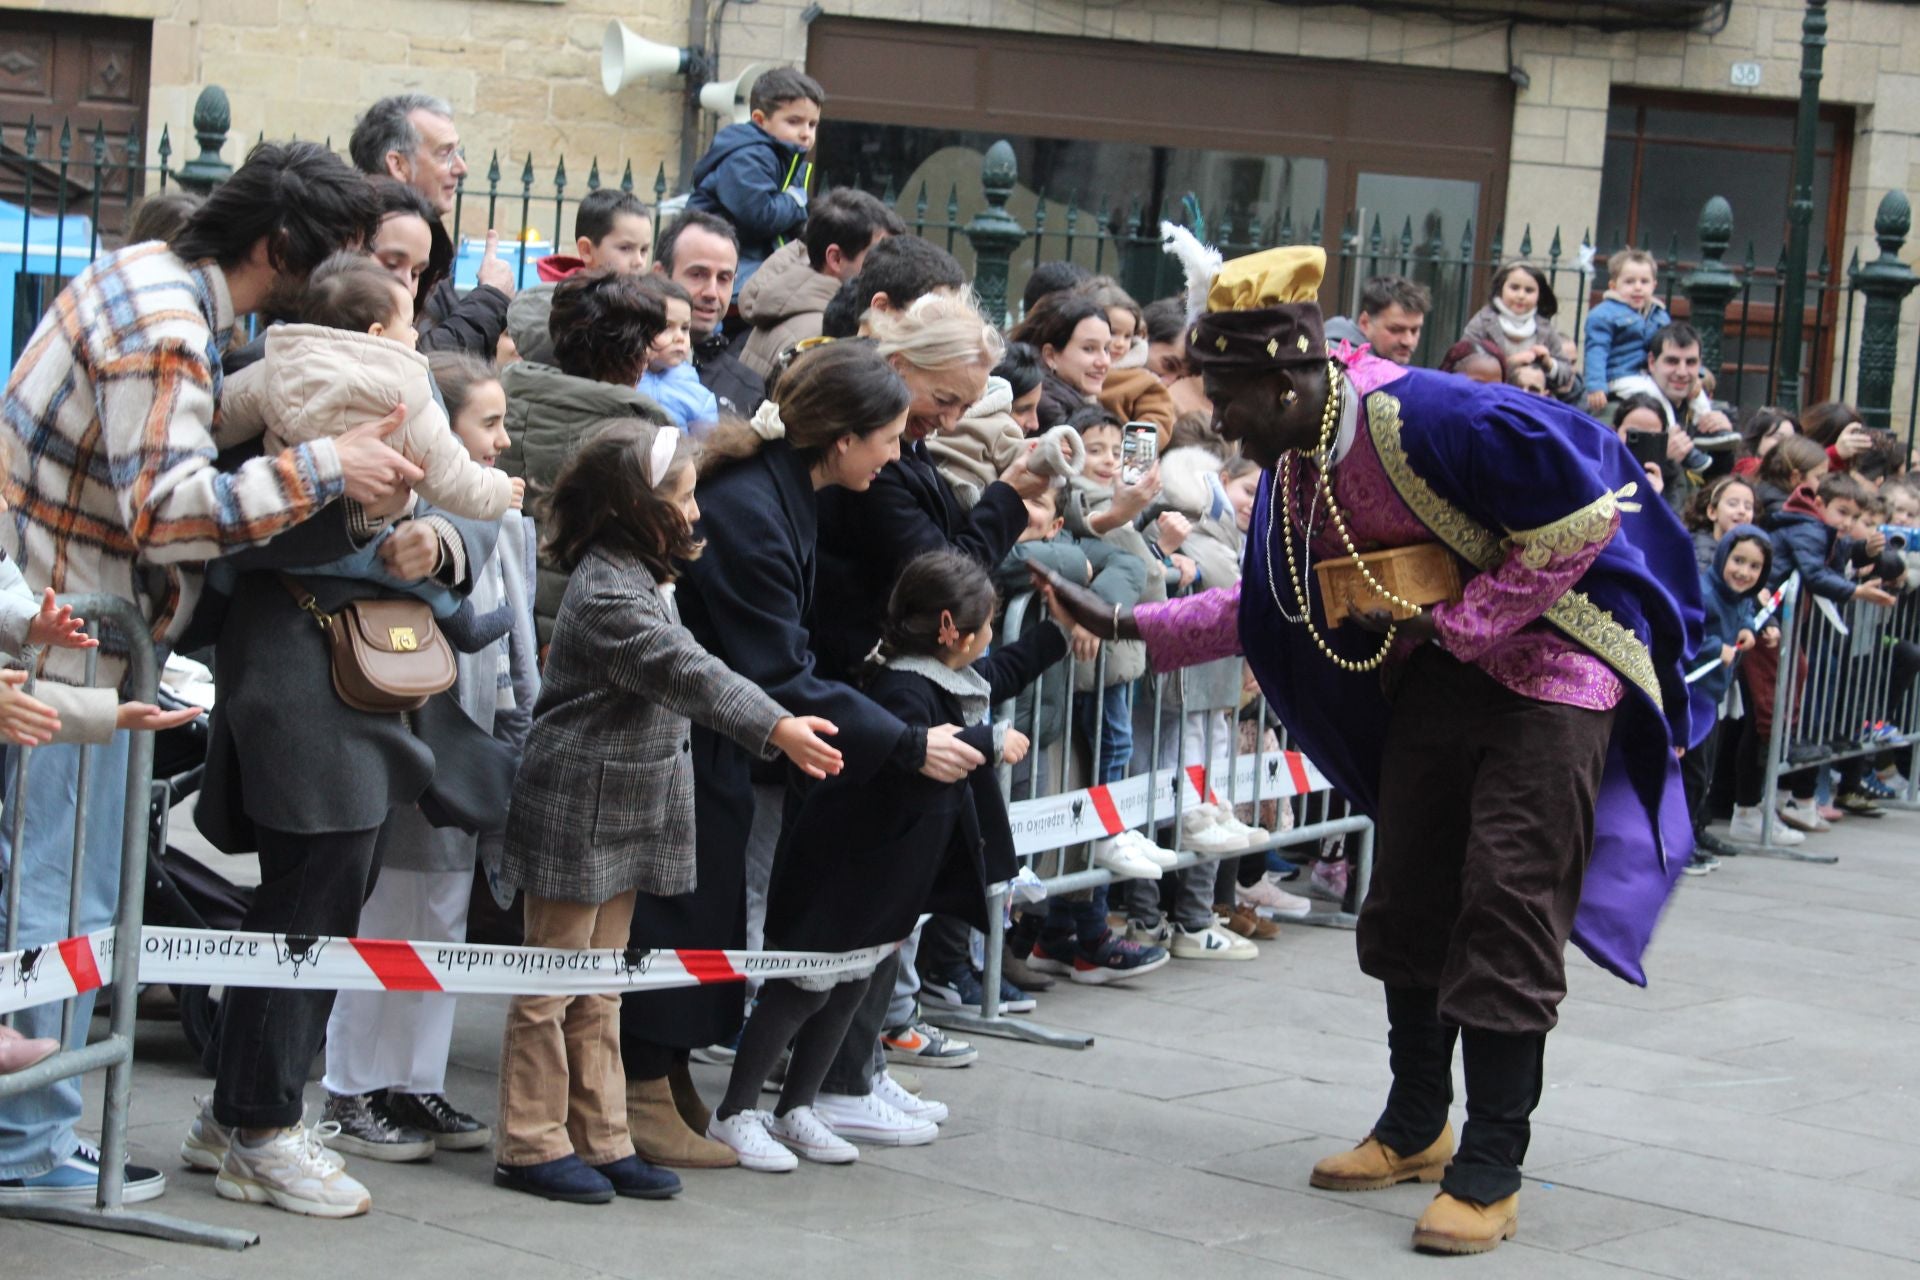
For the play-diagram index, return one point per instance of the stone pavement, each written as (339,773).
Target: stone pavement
(1753,1114)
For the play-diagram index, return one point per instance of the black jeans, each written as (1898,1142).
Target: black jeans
(860,1058)
(310,886)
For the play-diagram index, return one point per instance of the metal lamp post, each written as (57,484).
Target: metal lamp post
(1793,288)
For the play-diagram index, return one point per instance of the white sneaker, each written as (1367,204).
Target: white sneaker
(867,1118)
(292,1170)
(1270,900)
(746,1132)
(895,1095)
(1802,817)
(1126,862)
(1200,831)
(1165,859)
(1747,828)
(810,1138)
(205,1146)
(1211,943)
(1233,826)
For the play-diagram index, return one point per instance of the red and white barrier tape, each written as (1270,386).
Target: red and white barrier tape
(1048,822)
(206,957)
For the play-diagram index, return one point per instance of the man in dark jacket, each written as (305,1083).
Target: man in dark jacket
(701,253)
(410,137)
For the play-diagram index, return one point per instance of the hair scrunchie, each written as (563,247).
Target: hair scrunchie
(766,422)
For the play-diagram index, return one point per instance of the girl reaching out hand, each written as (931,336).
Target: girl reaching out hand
(603,805)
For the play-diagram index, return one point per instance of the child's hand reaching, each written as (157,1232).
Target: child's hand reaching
(1873,593)
(1596,401)
(1014,750)
(1129,500)
(518,487)
(798,738)
(24,719)
(144,715)
(1727,654)
(1174,529)
(1770,637)
(1743,641)
(1085,644)
(55,625)
(1187,570)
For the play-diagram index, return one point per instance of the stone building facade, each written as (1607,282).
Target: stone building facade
(523,77)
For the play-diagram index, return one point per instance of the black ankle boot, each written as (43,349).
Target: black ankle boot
(1504,1076)
(1420,1051)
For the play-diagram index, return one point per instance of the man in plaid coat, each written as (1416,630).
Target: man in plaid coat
(111,482)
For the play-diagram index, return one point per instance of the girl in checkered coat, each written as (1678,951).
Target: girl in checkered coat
(603,805)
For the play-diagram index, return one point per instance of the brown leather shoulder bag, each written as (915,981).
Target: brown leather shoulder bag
(387,655)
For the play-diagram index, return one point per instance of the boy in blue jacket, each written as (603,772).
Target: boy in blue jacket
(754,175)
(1618,329)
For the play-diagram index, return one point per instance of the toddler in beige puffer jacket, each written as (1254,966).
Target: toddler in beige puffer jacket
(351,362)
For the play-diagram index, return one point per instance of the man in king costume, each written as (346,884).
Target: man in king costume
(1513,732)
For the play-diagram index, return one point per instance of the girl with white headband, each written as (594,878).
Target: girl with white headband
(603,806)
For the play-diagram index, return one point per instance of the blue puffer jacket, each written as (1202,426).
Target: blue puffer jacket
(1804,542)
(1617,340)
(1728,613)
(756,182)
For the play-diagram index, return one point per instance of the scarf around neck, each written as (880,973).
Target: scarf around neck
(1518,327)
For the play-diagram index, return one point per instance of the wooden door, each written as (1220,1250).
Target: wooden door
(87,76)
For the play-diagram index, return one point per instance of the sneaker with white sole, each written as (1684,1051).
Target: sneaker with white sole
(1201,831)
(1124,860)
(292,1170)
(1269,899)
(1253,835)
(205,1146)
(866,1118)
(746,1132)
(1210,943)
(1165,859)
(1150,934)
(890,1091)
(1802,817)
(76,1181)
(925,1045)
(1747,828)
(361,1126)
(808,1137)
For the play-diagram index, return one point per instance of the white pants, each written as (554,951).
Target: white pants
(399,1039)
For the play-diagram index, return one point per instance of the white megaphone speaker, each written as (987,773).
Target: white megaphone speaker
(728,98)
(626,57)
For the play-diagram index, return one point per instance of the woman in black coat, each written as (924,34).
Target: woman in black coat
(835,420)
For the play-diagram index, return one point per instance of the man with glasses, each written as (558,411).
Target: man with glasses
(410,137)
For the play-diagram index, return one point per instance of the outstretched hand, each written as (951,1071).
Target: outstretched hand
(55,625)
(1082,608)
(799,738)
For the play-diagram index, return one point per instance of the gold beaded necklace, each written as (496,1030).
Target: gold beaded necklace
(1297,577)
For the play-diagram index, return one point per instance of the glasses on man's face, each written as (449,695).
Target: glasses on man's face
(447,154)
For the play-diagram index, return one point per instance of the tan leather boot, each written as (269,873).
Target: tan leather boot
(687,1098)
(662,1137)
(1373,1165)
(1453,1225)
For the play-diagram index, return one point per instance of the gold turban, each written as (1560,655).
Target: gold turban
(1269,278)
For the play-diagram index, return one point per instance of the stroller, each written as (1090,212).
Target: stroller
(181,892)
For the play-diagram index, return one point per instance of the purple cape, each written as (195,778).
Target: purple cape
(1475,463)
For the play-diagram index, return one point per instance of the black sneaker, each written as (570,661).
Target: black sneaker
(1700,864)
(367,1130)
(1713,844)
(450,1128)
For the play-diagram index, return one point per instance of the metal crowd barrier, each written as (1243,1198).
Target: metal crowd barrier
(1047,782)
(1861,661)
(114,1052)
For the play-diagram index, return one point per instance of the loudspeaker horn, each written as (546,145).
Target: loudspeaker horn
(626,57)
(728,98)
